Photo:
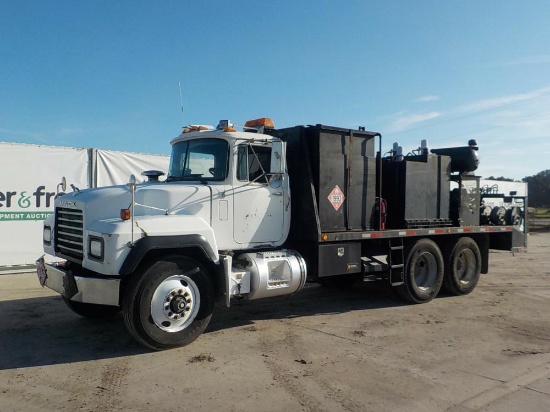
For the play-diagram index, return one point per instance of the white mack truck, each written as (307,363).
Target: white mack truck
(256,213)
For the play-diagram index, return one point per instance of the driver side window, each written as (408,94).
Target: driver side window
(253,163)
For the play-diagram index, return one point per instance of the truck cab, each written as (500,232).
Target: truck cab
(234,181)
(230,187)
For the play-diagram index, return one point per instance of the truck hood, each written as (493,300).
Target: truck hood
(152,199)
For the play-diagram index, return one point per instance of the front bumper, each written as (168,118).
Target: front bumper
(98,291)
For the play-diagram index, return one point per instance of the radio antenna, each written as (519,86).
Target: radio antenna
(181,101)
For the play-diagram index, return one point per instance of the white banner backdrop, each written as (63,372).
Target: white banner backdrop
(29,176)
(115,168)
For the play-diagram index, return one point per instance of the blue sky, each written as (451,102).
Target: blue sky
(105,74)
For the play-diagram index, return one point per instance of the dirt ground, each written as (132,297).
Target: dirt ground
(319,350)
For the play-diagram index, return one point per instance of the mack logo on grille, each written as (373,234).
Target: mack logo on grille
(67,203)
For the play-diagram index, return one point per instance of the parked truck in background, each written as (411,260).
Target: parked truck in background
(258,212)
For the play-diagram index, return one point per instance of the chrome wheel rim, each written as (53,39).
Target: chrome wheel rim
(175,303)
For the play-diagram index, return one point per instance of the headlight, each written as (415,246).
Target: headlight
(47,235)
(95,247)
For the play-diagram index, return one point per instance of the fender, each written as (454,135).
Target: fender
(146,244)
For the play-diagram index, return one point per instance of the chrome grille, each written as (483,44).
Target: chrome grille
(69,236)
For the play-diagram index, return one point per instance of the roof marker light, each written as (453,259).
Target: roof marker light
(196,128)
(262,122)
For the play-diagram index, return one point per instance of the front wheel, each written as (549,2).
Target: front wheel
(423,275)
(170,304)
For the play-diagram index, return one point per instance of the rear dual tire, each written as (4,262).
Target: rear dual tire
(427,270)
(463,266)
(423,276)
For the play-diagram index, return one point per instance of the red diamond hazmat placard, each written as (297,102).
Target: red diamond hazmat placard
(336,198)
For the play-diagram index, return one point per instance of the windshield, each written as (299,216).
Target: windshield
(200,159)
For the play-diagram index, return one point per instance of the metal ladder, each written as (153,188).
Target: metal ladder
(396,261)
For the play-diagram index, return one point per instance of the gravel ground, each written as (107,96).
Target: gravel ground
(319,350)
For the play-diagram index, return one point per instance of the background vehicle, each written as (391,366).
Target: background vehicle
(256,213)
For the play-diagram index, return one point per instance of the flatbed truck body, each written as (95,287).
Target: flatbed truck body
(258,213)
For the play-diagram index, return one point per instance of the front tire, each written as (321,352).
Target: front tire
(463,267)
(423,275)
(170,304)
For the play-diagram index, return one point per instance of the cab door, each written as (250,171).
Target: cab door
(258,197)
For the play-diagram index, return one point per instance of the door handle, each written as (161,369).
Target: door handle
(277,193)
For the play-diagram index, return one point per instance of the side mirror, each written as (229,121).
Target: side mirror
(278,157)
(62,187)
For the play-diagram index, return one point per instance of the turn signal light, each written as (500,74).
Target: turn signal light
(125,214)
